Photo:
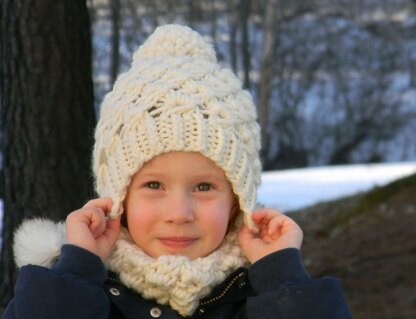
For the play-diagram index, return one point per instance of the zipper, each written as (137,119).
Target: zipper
(222,294)
(114,280)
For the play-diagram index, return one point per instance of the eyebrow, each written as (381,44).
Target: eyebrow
(209,176)
(198,176)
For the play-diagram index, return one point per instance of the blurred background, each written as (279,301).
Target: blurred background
(334,83)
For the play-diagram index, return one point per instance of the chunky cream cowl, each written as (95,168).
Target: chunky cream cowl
(175,280)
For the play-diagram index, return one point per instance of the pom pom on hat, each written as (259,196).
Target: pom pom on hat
(175,97)
(175,40)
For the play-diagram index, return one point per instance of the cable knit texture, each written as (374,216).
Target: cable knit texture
(174,280)
(175,97)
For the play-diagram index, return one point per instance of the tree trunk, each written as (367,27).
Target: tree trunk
(115,40)
(194,12)
(47,115)
(266,70)
(213,17)
(191,13)
(412,71)
(245,42)
(233,24)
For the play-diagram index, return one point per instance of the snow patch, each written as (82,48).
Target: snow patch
(293,189)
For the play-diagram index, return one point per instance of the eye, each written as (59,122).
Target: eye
(153,185)
(203,187)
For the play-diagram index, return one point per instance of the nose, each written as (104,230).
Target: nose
(180,209)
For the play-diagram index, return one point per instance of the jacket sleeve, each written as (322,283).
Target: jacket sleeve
(284,290)
(71,289)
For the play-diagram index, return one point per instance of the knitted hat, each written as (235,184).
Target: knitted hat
(175,97)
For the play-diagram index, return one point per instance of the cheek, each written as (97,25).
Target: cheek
(218,217)
(217,229)
(138,215)
(140,225)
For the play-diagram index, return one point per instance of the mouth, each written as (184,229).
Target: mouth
(177,242)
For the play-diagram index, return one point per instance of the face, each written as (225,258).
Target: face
(179,203)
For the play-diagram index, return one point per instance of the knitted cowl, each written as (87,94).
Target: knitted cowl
(176,281)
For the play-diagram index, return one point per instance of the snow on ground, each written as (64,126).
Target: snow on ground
(297,188)
(292,189)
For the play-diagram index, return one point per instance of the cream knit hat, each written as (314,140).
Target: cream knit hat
(175,97)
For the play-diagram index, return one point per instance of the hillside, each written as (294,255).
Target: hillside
(369,242)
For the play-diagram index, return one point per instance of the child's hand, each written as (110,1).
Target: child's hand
(276,232)
(88,228)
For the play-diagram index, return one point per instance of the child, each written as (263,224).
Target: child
(177,151)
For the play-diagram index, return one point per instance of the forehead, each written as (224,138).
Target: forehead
(182,162)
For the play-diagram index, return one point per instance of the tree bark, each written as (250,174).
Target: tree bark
(47,116)
(213,17)
(115,40)
(245,42)
(266,70)
(233,24)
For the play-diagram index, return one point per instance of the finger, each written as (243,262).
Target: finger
(265,215)
(274,225)
(259,215)
(263,218)
(261,221)
(99,208)
(86,222)
(104,203)
(97,220)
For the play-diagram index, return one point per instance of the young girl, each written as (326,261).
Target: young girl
(175,232)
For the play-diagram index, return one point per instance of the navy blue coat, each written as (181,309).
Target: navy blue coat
(79,287)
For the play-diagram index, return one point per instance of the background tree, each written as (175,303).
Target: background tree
(47,115)
(270,26)
(244,10)
(115,41)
